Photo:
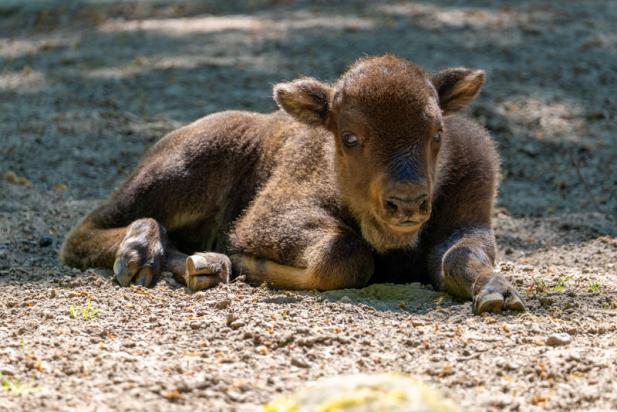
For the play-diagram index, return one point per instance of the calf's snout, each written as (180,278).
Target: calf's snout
(407,203)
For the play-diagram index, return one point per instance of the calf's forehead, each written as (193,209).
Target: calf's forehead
(389,116)
(392,97)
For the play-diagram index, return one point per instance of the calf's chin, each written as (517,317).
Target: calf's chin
(382,238)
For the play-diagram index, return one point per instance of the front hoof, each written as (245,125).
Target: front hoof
(140,256)
(205,270)
(496,295)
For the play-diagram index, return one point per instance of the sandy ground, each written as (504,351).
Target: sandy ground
(86,87)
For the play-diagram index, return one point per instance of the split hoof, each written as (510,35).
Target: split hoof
(205,270)
(140,254)
(497,295)
(493,302)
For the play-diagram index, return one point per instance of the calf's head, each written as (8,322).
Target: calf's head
(386,118)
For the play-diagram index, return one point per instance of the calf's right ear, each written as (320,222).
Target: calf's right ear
(307,100)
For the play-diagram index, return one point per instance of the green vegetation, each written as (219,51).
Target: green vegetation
(24,346)
(87,312)
(539,285)
(561,283)
(16,386)
(594,287)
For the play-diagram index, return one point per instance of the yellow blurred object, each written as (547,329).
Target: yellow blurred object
(364,393)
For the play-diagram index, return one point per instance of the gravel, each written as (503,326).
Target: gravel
(559,339)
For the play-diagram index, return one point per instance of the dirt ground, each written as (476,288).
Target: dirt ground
(87,86)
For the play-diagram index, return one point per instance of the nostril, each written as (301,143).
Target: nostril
(391,206)
(406,204)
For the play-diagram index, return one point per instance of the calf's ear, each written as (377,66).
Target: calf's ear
(307,99)
(457,87)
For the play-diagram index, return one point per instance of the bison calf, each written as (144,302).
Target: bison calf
(369,179)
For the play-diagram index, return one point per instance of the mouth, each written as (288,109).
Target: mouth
(405,226)
(400,226)
(386,234)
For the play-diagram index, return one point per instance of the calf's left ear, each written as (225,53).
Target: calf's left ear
(457,87)
(307,99)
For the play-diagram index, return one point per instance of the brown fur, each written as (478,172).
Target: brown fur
(297,208)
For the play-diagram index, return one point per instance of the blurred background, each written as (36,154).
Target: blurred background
(86,86)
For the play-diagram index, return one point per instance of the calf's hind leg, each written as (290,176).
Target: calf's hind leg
(139,252)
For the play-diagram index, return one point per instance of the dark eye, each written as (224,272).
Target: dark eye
(349,139)
(437,136)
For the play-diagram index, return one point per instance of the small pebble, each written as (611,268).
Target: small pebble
(280,299)
(236,324)
(231,317)
(222,304)
(558,339)
(6,371)
(299,362)
(45,241)
(262,350)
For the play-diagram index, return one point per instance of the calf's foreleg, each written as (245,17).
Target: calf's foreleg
(336,261)
(464,266)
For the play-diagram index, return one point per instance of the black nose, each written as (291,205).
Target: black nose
(406,206)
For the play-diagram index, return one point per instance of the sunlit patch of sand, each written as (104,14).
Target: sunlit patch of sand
(207,24)
(24,81)
(13,48)
(185,61)
(213,24)
(545,118)
(475,17)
